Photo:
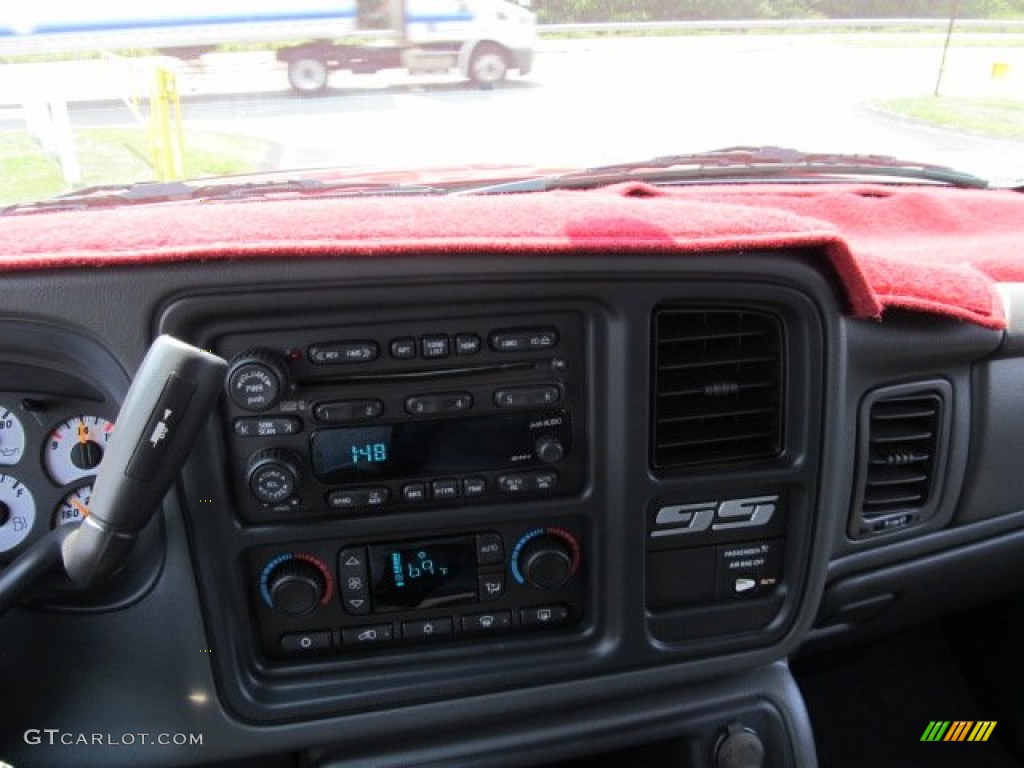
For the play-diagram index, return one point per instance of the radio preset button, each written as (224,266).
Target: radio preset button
(371,635)
(445,402)
(467,344)
(474,486)
(403,349)
(445,489)
(427,629)
(414,492)
(435,346)
(337,411)
(523,339)
(358,498)
(543,615)
(489,549)
(492,586)
(255,427)
(497,621)
(343,352)
(306,641)
(527,397)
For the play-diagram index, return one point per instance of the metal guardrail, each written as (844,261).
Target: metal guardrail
(808,24)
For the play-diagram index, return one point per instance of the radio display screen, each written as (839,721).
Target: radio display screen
(423,575)
(429,447)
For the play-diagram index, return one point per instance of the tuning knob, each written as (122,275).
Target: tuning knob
(273,475)
(256,379)
(548,560)
(549,449)
(296,587)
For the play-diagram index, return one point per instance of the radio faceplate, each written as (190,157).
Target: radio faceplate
(360,418)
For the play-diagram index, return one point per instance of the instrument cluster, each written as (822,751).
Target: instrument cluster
(50,450)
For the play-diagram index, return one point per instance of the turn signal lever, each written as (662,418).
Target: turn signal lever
(170,398)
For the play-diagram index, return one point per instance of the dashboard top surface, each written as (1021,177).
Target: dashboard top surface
(932,249)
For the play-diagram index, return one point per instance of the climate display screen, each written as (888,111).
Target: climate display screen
(423,575)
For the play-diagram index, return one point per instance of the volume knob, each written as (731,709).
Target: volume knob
(273,475)
(256,379)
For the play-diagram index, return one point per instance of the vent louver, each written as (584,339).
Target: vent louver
(717,386)
(901,451)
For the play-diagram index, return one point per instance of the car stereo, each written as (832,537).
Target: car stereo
(378,418)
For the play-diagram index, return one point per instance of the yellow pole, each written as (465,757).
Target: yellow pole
(166,133)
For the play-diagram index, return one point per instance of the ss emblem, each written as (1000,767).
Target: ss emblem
(681,519)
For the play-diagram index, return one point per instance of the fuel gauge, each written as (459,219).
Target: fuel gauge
(75,448)
(74,507)
(12,438)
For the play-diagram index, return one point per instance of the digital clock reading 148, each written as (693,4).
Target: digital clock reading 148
(368,453)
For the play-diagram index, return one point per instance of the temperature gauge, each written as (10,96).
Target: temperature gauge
(74,507)
(12,438)
(17,512)
(75,448)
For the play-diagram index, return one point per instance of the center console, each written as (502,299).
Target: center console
(377,420)
(557,481)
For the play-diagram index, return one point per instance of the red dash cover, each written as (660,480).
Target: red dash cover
(932,249)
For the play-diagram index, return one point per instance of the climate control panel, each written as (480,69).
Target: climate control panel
(321,597)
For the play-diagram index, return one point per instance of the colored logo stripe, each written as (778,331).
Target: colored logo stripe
(982,730)
(958,730)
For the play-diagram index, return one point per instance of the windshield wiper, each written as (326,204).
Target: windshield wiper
(743,164)
(144,193)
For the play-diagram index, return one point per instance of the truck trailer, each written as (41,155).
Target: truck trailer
(483,40)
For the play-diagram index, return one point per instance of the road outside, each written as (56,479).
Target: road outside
(586,102)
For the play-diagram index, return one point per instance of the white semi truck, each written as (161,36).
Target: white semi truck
(483,39)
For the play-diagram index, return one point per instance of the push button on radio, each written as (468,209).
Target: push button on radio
(435,346)
(358,498)
(343,352)
(445,489)
(524,339)
(527,397)
(414,492)
(446,402)
(337,411)
(403,349)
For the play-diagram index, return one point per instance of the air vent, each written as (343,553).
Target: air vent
(717,386)
(901,455)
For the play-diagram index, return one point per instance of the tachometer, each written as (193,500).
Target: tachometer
(75,448)
(12,438)
(74,507)
(17,512)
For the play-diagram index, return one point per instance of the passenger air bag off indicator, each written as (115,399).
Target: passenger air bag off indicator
(748,569)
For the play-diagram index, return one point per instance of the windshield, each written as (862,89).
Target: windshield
(118,91)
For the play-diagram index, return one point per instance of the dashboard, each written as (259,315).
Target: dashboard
(468,508)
